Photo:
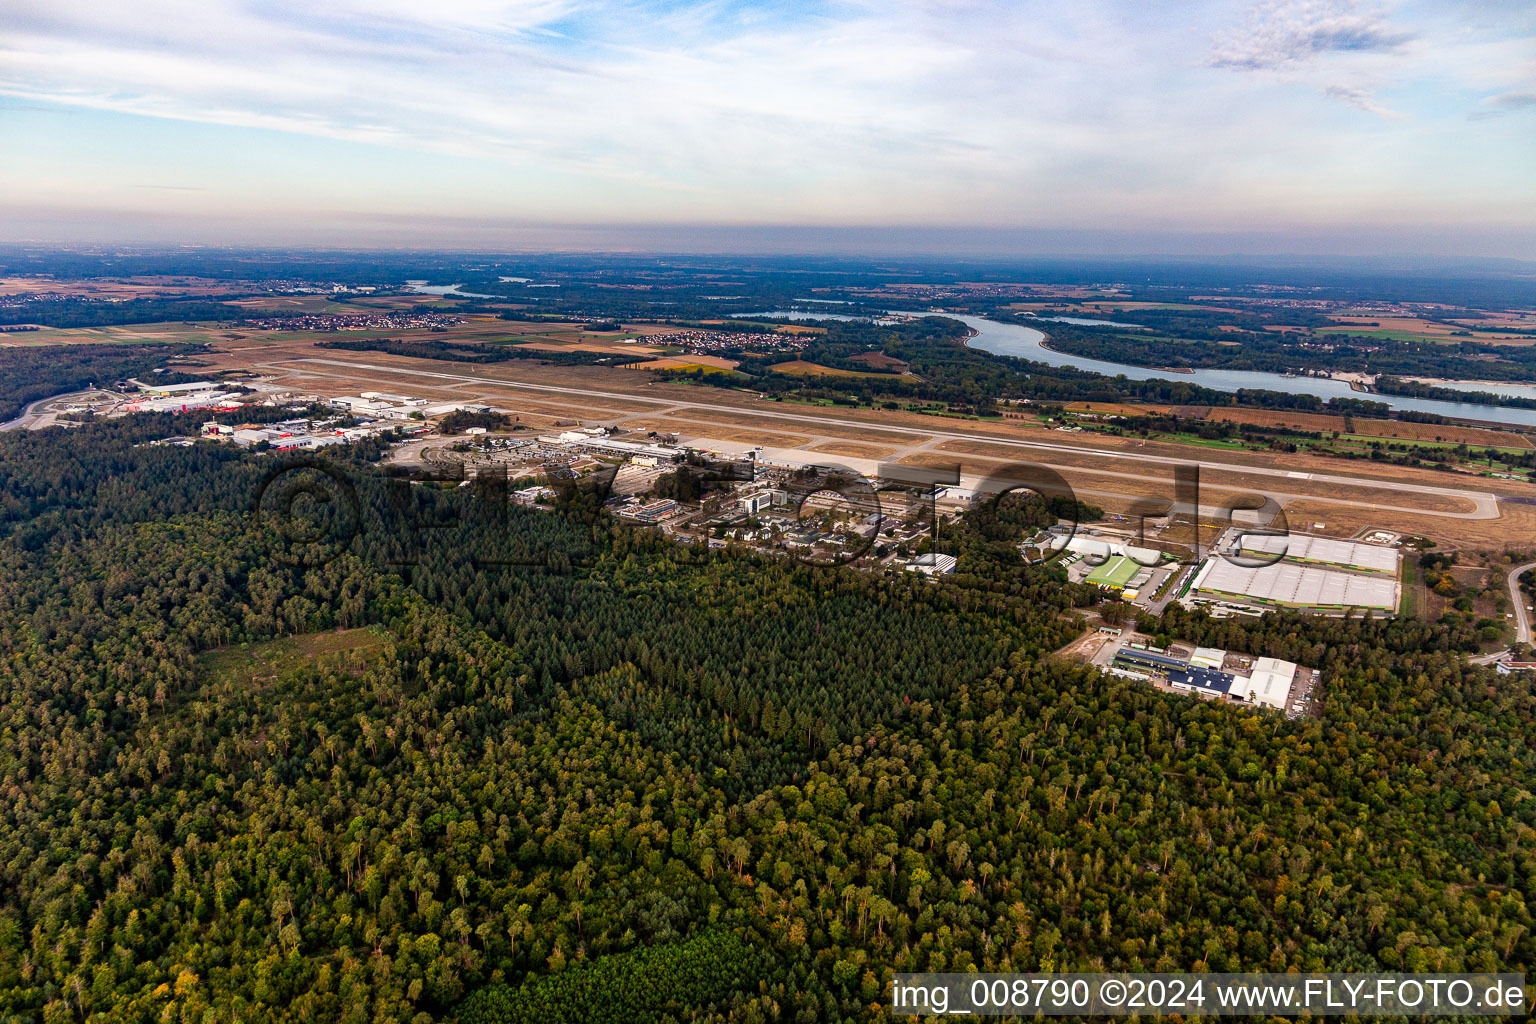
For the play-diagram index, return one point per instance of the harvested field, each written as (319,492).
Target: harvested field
(852,450)
(1118,409)
(880,359)
(1314,421)
(1401,429)
(705,364)
(801,368)
(698,360)
(1448,432)
(1426,329)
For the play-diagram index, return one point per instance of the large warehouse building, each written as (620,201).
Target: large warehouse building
(1324,552)
(1287,584)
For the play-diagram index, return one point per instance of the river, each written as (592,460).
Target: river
(1006,339)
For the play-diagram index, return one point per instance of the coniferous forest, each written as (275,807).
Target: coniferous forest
(501,765)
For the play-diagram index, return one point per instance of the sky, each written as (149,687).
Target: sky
(1203,126)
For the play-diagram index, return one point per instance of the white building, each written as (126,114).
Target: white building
(177,389)
(1304,549)
(1208,657)
(358,404)
(933,564)
(1105,548)
(1291,585)
(448,407)
(1269,684)
(752,504)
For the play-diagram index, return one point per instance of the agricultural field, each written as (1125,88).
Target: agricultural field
(1413,328)
(1118,409)
(1449,433)
(801,368)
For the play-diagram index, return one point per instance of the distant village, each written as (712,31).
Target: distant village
(382,321)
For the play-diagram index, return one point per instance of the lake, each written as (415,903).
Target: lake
(422,288)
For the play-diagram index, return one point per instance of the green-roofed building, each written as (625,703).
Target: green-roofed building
(1115,573)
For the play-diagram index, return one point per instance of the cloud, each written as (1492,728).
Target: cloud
(1504,103)
(741,111)
(1361,99)
(1286,33)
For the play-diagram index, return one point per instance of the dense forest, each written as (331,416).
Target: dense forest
(74,311)
(490,764)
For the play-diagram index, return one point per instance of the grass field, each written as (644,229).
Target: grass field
(254,664)
(852,450)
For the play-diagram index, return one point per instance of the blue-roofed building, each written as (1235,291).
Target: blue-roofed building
(1205,681)
(1150,659)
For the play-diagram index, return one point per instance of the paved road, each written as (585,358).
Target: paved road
(1522,617)
(28,414)
(1485,502)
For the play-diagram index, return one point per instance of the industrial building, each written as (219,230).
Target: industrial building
(448,407)
(655,512)
(183,401)
(1115,574)
(933,564)
(358,404)
(1289,585)
(651,454)
(1104,547)
(167,390)
(1353,556)
(1268,684)
(1208,657)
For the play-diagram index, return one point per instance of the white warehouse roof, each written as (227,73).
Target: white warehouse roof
(1208,657)
(1106,547)
(1289,584)
(933,564)
(1270,682)
(1324,550)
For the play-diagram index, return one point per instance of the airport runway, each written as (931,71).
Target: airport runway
(1486,503)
